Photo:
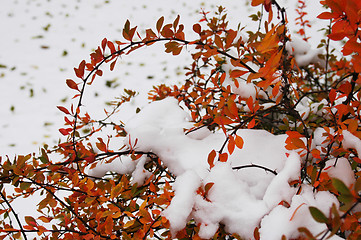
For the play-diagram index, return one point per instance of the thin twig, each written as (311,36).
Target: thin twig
(15,214)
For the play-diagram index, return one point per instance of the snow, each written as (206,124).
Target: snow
(285,221)
(351,141)
(340,168)
(303,53)
(239,199)
(185,187)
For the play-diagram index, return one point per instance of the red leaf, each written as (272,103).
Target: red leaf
(126,30)
(160,23)
(63,109)
(68,121)
(336,36)
(326,15)
(71,84)
(111,47)
(167,31)
(99,72)
(230,38)
(332,95)
(65,131)
(104,43)
(175,23)
(256,234)
(197,28)
(79,72)
(112,65)
(31,221)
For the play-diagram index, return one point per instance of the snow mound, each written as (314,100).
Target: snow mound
(247,189)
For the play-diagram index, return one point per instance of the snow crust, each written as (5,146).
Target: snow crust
(240,199)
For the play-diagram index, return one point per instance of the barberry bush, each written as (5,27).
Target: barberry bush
(260,141)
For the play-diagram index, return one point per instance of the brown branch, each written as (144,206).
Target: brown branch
(15,214)
(255,166)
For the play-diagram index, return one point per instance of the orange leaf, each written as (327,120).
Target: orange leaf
(109,225)
(249,103)
(239,142)
(351,46)
(208,187)
(231,144)
(251,124)
(237,73)
(116,190)
(257,2)
(45,219)
(211,157)
(298,143)
(218,41)
(294,213)
(232,107)
(223,157)
(101,145)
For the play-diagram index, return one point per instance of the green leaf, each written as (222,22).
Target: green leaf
(306,232)
(318,215)
(44,156)
(358,185)
(341,187)
(25,185)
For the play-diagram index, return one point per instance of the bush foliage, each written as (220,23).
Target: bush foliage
(289,95)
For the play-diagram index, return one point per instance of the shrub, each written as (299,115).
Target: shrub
(260,141)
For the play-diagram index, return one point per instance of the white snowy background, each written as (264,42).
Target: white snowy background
(43,40)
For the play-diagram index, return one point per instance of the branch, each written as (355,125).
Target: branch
(139,44)
(15,214)
(71,210)
(255,166)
